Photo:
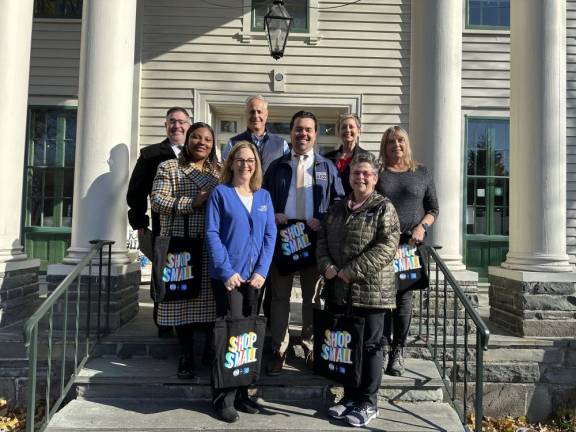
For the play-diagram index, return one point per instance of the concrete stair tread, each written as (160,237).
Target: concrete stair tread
(102,370)
(182,415)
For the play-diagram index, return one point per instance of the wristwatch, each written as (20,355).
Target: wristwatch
(425,226)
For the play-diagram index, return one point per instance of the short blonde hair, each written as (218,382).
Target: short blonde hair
(226,176)
(397,132)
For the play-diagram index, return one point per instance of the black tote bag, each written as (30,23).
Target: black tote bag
(338,345)
(238,349)
(295,247)
(177,265)
(410,268)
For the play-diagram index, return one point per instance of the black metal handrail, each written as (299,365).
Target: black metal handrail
(441,322)
(31,335)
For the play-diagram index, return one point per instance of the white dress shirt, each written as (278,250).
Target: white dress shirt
(290,210)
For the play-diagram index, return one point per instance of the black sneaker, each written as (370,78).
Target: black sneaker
(396,362)
(362,414)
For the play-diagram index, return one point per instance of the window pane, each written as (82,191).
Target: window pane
(49,184)
(68,183)
(471,164)
(489,13)
(51,150)
(480,221)
(58,9)
(35,211)
(326,129)
(298,10)
(279,128)
(48,219)
(39,152)
(67,212)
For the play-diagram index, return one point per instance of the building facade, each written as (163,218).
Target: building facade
(484,87)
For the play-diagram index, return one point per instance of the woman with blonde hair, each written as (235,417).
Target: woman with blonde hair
(410,187)
(241,234)
(348,128)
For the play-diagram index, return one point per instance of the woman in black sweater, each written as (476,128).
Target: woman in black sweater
(410,187)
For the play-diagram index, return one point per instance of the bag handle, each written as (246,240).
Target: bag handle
(173,215)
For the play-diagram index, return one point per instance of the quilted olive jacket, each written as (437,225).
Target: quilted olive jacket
(362,243)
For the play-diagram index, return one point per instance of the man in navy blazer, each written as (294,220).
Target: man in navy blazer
(177,124)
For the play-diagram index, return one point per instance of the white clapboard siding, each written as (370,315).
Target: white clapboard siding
(571,128)
(485,70)
(55,60)
(364,51)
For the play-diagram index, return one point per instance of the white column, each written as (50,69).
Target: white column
(104,127)
(435,112)
(15,42)
(538,137)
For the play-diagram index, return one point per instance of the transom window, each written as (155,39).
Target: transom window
(488,14)
(298,10)
(58,9)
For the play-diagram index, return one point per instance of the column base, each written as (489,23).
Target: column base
(19,290)
(125,283)
(533,303)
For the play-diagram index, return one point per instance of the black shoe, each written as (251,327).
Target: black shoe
(186,368)
(229,415)
(247,405)
(396,362)
(165,332)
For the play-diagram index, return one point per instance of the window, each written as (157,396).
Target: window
(58,9)
(49,182)
(486,192)
(488,14)
(298,10)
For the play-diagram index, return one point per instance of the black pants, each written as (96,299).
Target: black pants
(397,324)
(188,332)
(241,302)
(372,354)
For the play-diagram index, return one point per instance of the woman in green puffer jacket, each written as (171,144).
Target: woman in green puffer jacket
(356,246)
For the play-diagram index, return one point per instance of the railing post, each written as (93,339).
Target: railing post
(32,341)
(479,414)
(109,286)
(99,293)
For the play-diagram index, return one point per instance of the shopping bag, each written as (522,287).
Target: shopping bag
(145,243)
(338,346)
(177,268)
(410,268)
(295,247)
(238,346)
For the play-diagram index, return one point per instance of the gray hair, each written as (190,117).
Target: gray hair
(258,98)
(365,158)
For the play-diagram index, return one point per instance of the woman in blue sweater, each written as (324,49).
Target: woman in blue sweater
(240,233)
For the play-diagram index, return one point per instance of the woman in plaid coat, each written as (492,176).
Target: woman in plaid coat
(179,194)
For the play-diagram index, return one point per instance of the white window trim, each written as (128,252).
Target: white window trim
(311,38)
(204,99)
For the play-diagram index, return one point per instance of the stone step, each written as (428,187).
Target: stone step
(143,415)
(156,378)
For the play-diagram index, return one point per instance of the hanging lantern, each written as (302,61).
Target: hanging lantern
(278,22)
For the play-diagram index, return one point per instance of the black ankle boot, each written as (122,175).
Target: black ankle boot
(186,366)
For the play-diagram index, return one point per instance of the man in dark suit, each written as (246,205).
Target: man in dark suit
(177,124)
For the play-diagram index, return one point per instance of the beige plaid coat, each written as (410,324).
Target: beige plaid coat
(176,178)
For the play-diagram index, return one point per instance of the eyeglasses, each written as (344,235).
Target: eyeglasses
(245,161)
(173,122)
